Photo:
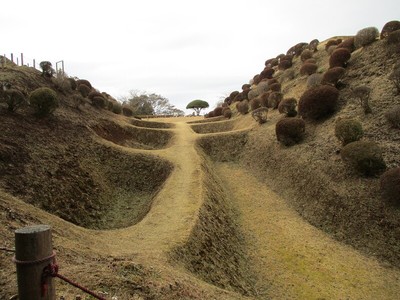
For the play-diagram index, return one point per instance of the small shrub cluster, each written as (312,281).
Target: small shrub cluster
(264,99)
(267,73)
(313,45)
(389,27)
(390,186)
(306,54)
(288,107)
(260,115)
(255,103)
(14,99)
(44,101)
(218,111)
(339,58)
(275,87)
(393,116)
(394,37)
(227,113)
(366,37)
(364,156)
(285,64)
(348,130)
(127,111)
(331,43)
(395,77)
(290,131)
(116,107)
(84,82)
(363,94)
(47,69)
(318,102)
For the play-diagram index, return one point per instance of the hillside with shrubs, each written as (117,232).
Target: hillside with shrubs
(318,126)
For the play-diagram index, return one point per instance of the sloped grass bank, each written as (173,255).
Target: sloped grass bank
(224,146)
(213,127)
(133,137)
(216,249)
(60,168)
(151,124)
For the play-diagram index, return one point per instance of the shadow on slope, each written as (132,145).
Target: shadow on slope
(133,137)
(60,168)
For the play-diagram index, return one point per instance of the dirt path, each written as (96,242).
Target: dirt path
(295,259)
(174,209)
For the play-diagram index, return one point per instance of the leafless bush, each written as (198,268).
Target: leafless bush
(260,115)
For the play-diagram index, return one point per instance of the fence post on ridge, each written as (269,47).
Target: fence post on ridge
(33,253)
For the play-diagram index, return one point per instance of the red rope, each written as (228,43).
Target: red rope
(51,270)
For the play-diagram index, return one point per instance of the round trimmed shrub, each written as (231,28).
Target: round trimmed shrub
(333,75)
(44,101)
(72,83)
(116,108)
(99,102)
(331,43)
(256,79)
(394,37)
(243,107)
(93,94)
(127,111)
(348,44)
(306,54)
(364,156)
(218,111)
(319,102)
(268,72)
(348,130)
(339,58)
(210,114)
(275,87)
(313,45)
(314,80)
(245,86)
(284,64)
(290,131)
(393,116)
(288,107)
(389,27)
(264,99)
(84,90)
(310,61)
(84,82)
(253,93)
(255,103)
(366,36)
(227,113)
(308,69)
(274,99)
(390,186)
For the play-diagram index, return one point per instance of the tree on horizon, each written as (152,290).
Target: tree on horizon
(197,105)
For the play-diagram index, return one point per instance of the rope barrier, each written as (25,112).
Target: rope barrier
(51,270)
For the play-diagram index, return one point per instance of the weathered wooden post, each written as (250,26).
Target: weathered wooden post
(33,253)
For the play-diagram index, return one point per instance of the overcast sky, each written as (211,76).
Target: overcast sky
(182,50)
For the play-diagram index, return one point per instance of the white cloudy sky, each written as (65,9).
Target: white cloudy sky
(183,50)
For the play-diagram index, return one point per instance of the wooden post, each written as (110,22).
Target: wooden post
(12,57)
(22,59)
(33,244)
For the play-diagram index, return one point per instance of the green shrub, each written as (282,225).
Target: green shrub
(308,69)
(339,58)
(288,107)
(314,80)
(319,102)
(388,28)
(44,101)
(127,111)
(348,130)
(390,186)
(333,76)
(364,156)
(117,108)
(14,99)
(366,36)
(84,90)
(393,116)
(290,131)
